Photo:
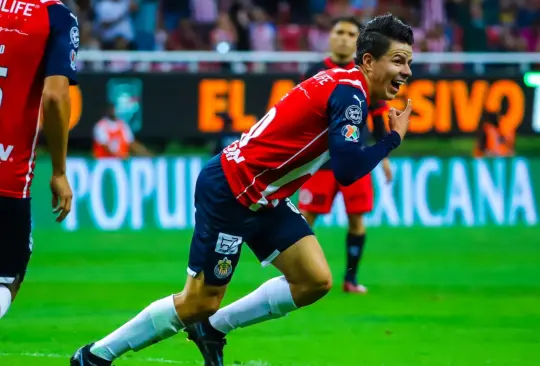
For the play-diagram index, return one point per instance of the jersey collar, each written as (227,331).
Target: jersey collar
(331,64)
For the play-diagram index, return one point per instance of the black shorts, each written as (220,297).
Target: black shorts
(15,238)
(222,225)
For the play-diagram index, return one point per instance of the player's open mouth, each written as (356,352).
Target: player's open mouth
(396,84)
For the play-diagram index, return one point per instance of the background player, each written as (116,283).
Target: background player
(37,63)
(317,195)
(242,195)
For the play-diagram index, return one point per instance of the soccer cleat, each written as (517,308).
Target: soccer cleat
(83,357)
(354,288)
(209,341)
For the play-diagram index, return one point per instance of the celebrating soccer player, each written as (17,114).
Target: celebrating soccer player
(318,193)
(38,46)
(242,195)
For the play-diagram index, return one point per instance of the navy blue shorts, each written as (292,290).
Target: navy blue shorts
(222,225)
(16,240)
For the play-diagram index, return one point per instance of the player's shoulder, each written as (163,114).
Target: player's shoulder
(48,3)
(352,77)
(59,12)
(339,80)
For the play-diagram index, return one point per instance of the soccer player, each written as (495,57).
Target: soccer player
(38,45)
(243,195)
(318,193)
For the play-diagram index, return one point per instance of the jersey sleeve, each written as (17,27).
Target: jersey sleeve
(347,113)
(63,43)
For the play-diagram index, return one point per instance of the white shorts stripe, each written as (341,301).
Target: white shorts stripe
(7,280)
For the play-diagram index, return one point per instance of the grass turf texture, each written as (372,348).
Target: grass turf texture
(437,297)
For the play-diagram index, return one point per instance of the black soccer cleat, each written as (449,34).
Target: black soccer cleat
(210,342)
(83,357)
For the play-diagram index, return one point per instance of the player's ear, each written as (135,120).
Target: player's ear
(367,61)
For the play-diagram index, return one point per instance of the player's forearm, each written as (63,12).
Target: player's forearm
(350,163)
(56,113)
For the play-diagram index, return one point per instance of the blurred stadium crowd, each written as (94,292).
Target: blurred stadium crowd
(301,25)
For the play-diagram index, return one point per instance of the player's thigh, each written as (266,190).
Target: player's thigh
(287,241)
(15,242)
(317,194)
(304,263)
(358,197)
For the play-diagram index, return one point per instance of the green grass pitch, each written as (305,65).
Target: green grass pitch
(455,296)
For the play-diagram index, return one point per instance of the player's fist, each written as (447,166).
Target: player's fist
(61,196)
(399,121)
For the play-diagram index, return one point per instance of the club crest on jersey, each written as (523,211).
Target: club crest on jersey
(351,133)
(354,114)
(75,37)
(223,268)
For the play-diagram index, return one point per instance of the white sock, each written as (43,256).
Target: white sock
(272,300)
(5,300)
(155,323)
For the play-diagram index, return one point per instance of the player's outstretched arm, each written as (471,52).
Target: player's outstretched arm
(60,72)
(56,113)
(347,110)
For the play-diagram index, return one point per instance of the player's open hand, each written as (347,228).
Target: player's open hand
(61,196)
(399,121)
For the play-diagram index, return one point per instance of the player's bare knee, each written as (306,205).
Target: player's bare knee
(356,224)
(323,285)
(311,290)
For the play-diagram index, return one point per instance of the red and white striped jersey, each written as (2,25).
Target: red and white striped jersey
(291,142)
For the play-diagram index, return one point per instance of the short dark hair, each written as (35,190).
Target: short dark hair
(351,20)
(376,36)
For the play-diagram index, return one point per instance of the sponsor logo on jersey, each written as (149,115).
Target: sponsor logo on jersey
(17,7)
(228,244)
(224,268)
(351,133)
(5,152)
(354,112)
(75,37)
